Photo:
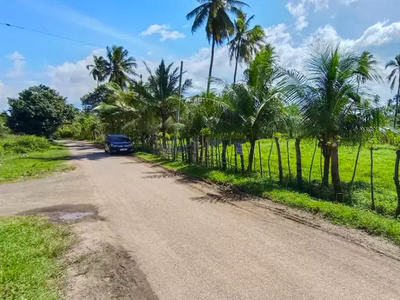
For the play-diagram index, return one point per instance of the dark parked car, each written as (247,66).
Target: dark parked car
(118,143)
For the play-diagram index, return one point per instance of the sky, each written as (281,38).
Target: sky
(155,29)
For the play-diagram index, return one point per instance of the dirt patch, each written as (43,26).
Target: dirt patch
(99,270)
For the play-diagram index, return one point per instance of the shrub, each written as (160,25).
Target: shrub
(24,144)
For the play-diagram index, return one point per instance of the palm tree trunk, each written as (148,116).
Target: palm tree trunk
(224,147)
(211,66)
(397,106)
(335,172)
(251,155)
(201,150)
(236,66)
(298,164)
(327,159)
(278,147)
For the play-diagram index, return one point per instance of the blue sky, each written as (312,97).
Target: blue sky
(158,28)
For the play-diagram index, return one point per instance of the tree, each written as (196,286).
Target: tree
(117,66)
(393,78)
(219,26)
(39,110)
(256,104)
(366,69)
(246,43)
(161,92)
(326,97)
(101,94)
(97,70)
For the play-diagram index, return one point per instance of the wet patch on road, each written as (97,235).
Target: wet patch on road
(66,213)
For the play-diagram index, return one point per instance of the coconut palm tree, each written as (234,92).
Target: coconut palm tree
(246,43)
(326,97)
(366,69)
(256,103)
(97,69)
(393,78)
(117,66)
(219,26)
(161,91)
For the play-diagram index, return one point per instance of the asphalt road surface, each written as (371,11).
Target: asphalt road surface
(190,246)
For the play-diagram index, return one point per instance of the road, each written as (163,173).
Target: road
(191,247)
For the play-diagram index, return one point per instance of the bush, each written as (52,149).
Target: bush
(23,144)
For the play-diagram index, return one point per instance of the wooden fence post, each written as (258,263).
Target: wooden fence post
(259,153)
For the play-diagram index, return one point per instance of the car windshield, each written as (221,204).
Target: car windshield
(118,139)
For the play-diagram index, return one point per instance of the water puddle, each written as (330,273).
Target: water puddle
(76,215)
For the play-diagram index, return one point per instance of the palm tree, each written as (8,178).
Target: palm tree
(366,69)
(256,104)
(246,42)
(219,26)
(326,98)
(97,69)
(161,92)
(393,78)
(117,66)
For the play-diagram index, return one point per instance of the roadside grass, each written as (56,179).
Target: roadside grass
(30,248)
(34,164)
(341,214)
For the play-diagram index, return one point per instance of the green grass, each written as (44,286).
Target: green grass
(33,164)
(353,216)
(384,160)
(30,248)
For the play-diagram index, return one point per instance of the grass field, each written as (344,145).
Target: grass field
(384,161)
(356,214)
(15,166)
(30,248)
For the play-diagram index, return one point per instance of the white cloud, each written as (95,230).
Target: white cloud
(72,79)
(18,65)
(164,31)
(299,10)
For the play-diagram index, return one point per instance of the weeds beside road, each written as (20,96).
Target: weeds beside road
(24,157)
(30,248)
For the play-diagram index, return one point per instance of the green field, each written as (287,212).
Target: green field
(384,161)
(22,159)
(30,248)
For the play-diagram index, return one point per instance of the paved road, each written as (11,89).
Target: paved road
(191,247)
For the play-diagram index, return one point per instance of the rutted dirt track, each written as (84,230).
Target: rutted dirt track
(179,243)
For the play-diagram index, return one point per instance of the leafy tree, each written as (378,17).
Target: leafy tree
(39,110)
(117,66)
(160,92)
(101,94)
(393,78)
(3,124)
(246,42)
(219,26)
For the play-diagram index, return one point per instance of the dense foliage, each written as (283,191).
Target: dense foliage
(38,110)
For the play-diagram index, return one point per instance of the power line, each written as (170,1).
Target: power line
(49,34)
